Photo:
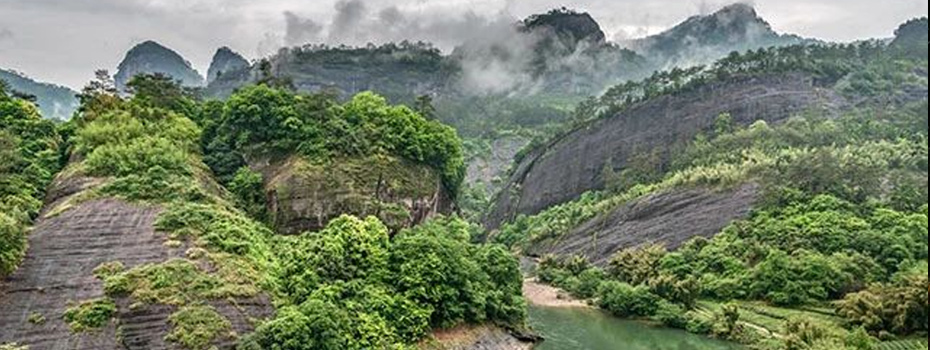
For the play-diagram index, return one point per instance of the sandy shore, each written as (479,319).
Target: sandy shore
(544,295)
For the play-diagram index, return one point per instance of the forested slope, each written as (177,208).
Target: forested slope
(140,247)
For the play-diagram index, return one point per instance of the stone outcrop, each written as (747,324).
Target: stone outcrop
(571,165)
(303,196)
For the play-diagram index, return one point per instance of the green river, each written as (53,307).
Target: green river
(587,329)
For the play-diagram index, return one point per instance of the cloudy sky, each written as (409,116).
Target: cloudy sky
(63,41)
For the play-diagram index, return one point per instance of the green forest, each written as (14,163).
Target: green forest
(352,285)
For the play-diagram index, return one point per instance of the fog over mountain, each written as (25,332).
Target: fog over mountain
(64,41)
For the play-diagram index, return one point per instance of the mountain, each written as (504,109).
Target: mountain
(703,39)
(55,101)
(225,60)
(570,26)
(642,125)
(152,57)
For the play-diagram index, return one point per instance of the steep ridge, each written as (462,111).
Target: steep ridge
(572,165)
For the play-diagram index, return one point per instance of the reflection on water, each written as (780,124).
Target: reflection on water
(585,329)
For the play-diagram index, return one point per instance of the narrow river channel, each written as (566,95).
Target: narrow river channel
(572,328)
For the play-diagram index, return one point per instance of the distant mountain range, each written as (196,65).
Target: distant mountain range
(55,101)
(560,52)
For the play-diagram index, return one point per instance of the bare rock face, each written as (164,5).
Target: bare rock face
(152,57)
(487,169)
(225,60)
(572,164)
(303,196)
(668,218)
(66,245)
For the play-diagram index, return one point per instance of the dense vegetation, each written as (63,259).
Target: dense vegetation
(840,228)
(348,286)
(260,120)
(29,158)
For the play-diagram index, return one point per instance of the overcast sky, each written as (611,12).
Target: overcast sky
(63,41)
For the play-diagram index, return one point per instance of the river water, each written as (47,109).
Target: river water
(589,329)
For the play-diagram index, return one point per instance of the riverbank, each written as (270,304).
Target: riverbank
(540,294)
(468,337)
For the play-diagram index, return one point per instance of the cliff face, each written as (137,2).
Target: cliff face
(303,196)
(400,73)
(572,164)
(669,218)
(58,272)
(152,57)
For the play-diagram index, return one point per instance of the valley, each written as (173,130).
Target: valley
(717,185)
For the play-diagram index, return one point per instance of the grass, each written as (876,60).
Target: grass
(196,326)
(90,315)
(174,282)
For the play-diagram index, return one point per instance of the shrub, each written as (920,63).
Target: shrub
(248,187)
(624,300)
(90,314)
(671,315)
(196,326)
(12,243)
(137,157)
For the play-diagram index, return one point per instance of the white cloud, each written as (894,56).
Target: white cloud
(65,40)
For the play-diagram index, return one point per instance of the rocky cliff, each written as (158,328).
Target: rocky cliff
(66,245)
(668,218)
(152,57)
(303,196)
(572,164)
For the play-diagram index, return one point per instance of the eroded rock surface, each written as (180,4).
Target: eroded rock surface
(669,218)
(303,196)
(572,164)
(57,272)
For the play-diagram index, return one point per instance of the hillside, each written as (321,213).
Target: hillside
(54,101)
(745,200)
(139,246)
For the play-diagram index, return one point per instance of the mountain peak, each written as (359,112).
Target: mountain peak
(704,38)
(151,57)
(225,60)
(738,9)
(567,23)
